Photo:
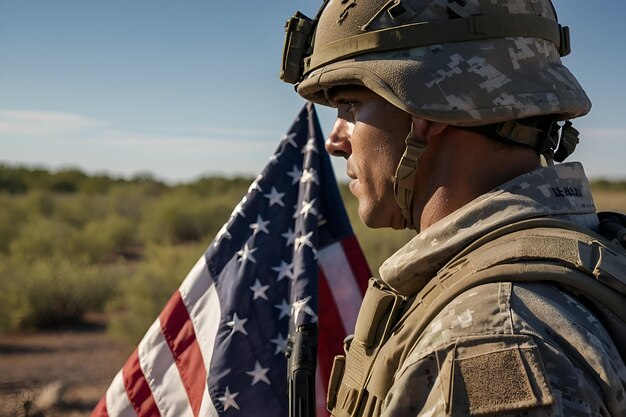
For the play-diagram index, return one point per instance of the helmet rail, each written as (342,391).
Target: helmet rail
(300,58)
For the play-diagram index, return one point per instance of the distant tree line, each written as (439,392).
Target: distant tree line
(73,244)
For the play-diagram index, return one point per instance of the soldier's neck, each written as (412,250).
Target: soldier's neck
(460,169)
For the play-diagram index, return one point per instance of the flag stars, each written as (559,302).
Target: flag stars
(309,175)
(275,197)
(310,146)
(228,400)
(290,235)
(259,290)
(223,233)
(239,208)
(289,139)
(302,306)
(307,208)
(259,374)
(237,325)
(281,344)
(284,270)
(255,184)
(284,308)
(260,225)
(295,175)
(304,240)
(246,254)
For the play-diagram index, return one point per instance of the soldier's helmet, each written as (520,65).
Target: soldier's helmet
(462,62)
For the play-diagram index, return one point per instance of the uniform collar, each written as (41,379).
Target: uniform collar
(556,191)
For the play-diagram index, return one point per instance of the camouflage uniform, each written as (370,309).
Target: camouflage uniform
(453,367)
(505,348)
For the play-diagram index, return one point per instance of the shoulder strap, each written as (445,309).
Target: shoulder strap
(536,250)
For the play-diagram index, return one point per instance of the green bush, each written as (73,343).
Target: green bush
(182,216)
(52,291)
(79,209)
(46,238)
(36,204)
(11,219)
(11,180)
(107,238)
(142,296)
(129,200)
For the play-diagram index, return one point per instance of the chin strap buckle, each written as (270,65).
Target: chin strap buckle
(405,176)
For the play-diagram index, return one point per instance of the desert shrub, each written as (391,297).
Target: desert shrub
(11,181)
(109,237)
(609,185)
(610,200)
(43,238)
(79,209)
(128,200)
(37,203)
(207,187)
(182,216)
(48,292)
(10,220)
(143,295)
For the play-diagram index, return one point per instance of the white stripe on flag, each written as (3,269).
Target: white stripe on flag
(159,368)
(207,409)
(117,402)
(201,300)
(344,288)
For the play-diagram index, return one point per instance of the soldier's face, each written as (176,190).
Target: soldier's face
(369,132)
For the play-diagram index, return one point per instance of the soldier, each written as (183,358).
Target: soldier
(506,302)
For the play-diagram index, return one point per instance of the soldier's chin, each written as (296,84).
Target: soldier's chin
(372,219)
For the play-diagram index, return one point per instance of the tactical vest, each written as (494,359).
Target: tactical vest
(584,263)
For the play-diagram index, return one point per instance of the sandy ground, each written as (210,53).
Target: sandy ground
(84,361)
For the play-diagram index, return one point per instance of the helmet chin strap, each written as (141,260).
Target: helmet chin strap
(405,177)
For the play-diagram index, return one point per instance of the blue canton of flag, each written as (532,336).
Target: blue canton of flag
(278,226)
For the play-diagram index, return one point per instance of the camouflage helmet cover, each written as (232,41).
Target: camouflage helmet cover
(513,73)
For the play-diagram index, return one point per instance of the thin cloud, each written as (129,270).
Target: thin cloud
(179,143)
(240,132)
(44,123)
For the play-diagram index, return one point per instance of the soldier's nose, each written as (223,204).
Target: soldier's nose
(338,142)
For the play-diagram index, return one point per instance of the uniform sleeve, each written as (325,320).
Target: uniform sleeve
(478,375)
(507,349)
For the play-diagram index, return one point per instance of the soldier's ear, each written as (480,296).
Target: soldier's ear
(424,130)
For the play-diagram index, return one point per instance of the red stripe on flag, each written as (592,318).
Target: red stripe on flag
(357,261)
(331,332)
(101,408)
(138,389)
(177,329)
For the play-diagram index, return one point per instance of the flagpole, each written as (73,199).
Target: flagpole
(302,355)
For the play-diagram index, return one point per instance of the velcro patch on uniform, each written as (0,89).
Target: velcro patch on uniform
(501,375)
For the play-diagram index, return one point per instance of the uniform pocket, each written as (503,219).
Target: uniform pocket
(497,374)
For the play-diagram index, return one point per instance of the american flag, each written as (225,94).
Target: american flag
(286,256)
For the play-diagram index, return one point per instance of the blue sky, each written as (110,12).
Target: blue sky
(189,88)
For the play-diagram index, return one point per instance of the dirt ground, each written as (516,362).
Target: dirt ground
(75,365)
